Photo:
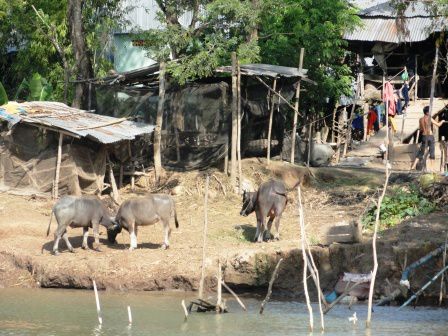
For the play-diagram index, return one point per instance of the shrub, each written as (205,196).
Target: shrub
(401,203)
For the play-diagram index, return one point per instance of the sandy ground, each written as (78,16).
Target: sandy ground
(333,196)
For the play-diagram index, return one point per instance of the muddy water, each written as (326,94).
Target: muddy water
(69,312)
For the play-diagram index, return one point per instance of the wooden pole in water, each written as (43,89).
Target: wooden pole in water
(271,114)
(271,283)
(320,295)
(234,295)
(97,300)
(204,239)
(305,258)
(58,168)
(185,310)
(129,315)
(219,307)
(375,232)
(296,108)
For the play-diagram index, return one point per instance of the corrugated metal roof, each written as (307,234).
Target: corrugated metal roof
(267,70)
(385,30)
(363,4)
(75,122)
(386,9)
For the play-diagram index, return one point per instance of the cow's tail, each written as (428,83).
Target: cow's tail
(49,224)
(175,214)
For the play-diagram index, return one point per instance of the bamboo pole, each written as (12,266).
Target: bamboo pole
(233,153)
(333,127)
(204,239)
(320,295)
(296,108)
(305,258)
(97,300)
(416,80)
(420,291)
(271,114)
(310,140)
(58,168)
(219,307)
(377,224)
(234,295)
(224,110)
(238,148)
(271,283)
(185,310)
(278,94)
(129,315)
(159,124)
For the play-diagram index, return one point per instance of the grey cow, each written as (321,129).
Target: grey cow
(144,211)
(80,211)
(269,201)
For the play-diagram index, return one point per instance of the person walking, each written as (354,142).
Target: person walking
(426,130)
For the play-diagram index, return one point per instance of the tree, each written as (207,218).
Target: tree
(318,26)
(32,37)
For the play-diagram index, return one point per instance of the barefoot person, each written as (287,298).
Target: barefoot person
(426,129)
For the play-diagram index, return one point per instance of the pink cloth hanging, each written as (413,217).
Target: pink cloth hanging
(388,97)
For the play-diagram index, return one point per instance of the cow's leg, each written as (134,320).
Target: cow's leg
(269,225)
(57,236)
(257,232)
(167,231)
(133,235)
(67,242)
(85,236)
(261,230)
(277,225)
(96,235)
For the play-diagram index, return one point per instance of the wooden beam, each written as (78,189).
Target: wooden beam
(109,123)
(296,108)
(276,93)
(271,113)
(58,168)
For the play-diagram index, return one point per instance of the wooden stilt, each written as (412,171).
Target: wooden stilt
(113,184)
(58,168)
(120,181)
(271,114)
(233,150)
(296,108)
(238,148)
(185,310)
(204,239)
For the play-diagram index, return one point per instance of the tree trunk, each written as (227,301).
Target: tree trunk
(83,64)
(233,163)
(159,120)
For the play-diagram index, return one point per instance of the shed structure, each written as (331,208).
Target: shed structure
(34,133)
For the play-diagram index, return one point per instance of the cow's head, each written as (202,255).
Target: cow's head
(249,202)
(113,231)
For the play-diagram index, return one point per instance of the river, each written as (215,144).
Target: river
(72,312)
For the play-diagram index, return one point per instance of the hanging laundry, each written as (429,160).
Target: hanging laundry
(388,98)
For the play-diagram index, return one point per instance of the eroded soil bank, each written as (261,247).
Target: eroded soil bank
(332,196)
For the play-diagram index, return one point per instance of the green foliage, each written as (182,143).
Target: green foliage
(399,205)
(3,95)
(223,27)
(35,53)
(318,26)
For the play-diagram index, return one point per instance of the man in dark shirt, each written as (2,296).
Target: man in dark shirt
(426,125)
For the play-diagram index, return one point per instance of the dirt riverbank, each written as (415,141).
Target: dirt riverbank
(334,195)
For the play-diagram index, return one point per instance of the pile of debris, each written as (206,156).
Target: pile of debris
(435,190)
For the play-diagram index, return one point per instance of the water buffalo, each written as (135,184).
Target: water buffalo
(79,211)
(143,211)
(269,201)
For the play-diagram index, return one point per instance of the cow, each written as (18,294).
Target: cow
(142,211)
(269,201)
(80,211)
